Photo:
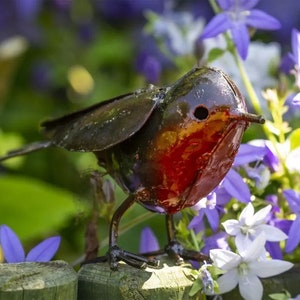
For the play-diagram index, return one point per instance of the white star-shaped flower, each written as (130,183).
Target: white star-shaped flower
(244,269)
(250,225)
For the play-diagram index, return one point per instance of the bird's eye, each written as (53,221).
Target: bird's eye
(201,113)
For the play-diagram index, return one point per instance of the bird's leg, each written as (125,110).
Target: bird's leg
(115,253)
(175,250)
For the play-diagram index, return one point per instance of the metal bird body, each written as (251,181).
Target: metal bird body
(167,147)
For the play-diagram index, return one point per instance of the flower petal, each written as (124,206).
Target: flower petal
(294,236)
(197,223)
(272,233)
(11,245)
(262,20)
(241,39)
(250,287)
(270,267)
(225,4)
(231,227)
(228,281)
(45,250)
(234,185)
(255,249)
(296,46)
(248,4)
(217,24)
(292,160)
(261,215)
(296,100)
(293,199)
(248,153)
(224,259)
(214,241)
(148,241)
(242,243)
(271,159)
(274,250)
(213,218)
(247,214)
(231,5)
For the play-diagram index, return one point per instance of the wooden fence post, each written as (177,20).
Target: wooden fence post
(97,281)
(54,280)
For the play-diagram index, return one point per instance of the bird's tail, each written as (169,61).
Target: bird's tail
(26,149)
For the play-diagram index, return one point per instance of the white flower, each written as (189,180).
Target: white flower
(244,269)
(290,156)
(250,225)
(181,30)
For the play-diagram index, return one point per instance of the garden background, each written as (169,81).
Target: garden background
(57,56)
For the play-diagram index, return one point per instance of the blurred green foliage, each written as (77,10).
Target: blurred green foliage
(49,192)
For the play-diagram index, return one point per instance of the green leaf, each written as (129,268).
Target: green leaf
(280,296)
(295,139)
(11,141)
(214,54)
(33,208)
(196,287)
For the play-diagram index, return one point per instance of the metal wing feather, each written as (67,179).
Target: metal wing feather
(105,124)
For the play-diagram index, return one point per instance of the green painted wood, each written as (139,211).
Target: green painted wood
(97,281)
(54,280)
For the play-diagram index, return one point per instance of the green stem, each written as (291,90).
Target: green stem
(214,6)
(254,99)
(252,95)
(194,240)
(256,105)
(250,90)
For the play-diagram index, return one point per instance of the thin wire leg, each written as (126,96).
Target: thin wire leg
(115,253)
(176,250)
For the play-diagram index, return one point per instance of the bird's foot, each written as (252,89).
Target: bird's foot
(177,252)
(116,254)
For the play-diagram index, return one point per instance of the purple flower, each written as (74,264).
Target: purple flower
(206,207)
(290,156)
(293,199)
(14,251)
(248,153)
(295,54)
(19,18)
(233,183)
(150,66)
(28,9)
(273,200)
(260,174)
(215,241)
(291,64)
(119,10)
(235,186)
(258,150)
(274,248)
(148,241)
(296,99)
(236,16)
(268,154)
